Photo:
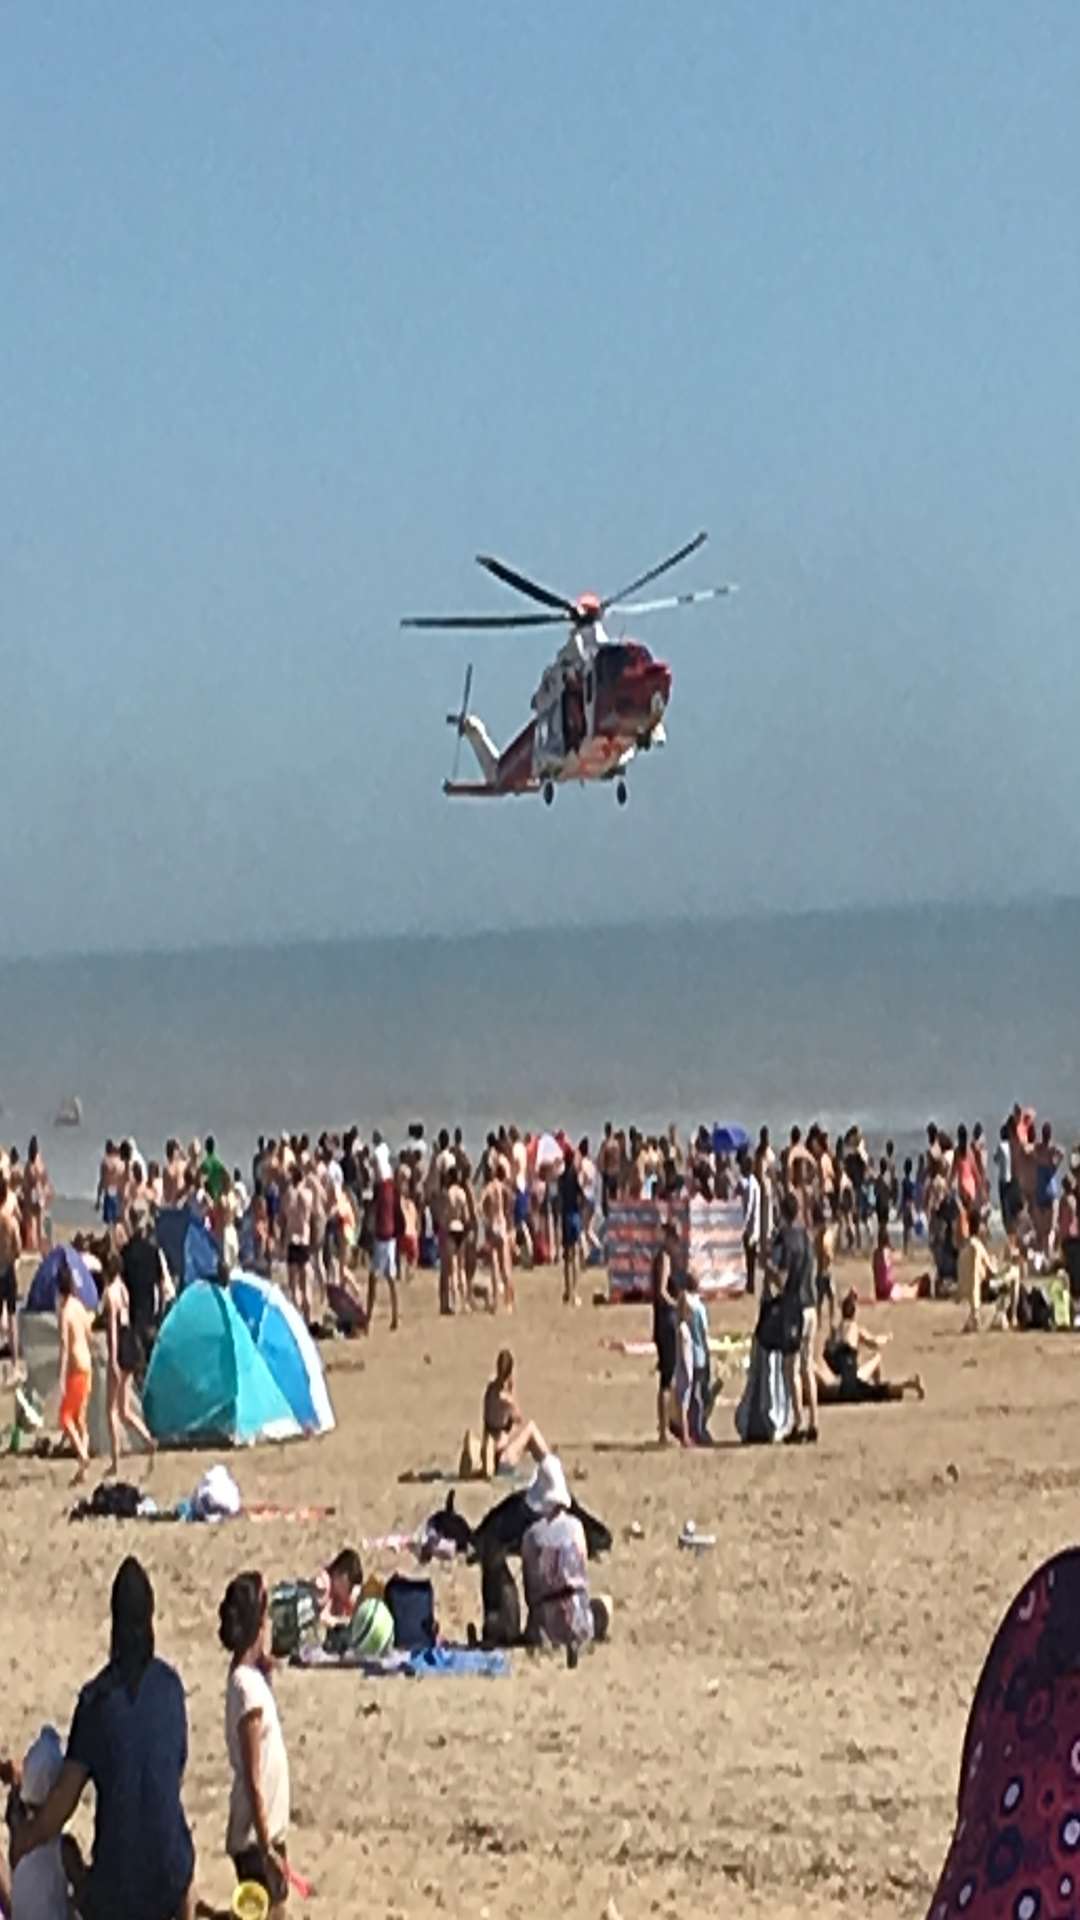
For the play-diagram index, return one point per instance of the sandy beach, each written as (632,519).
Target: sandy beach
(776,1725)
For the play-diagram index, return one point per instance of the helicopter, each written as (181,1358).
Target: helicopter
(599,702)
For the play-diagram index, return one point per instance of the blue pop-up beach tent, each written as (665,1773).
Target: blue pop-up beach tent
(42,1295)
(207,1379)
(189,1247)
(285,1344)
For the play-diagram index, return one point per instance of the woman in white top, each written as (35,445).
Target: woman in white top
(259,1802)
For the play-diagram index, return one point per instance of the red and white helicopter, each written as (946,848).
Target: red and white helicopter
(599,702)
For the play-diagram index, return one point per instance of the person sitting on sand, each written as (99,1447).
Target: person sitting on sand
(886,1285)
(76,1365)
(555,1566)
(508,1436)
(129,1737)
(979,1281)
(844,1375)
(40,1884)
(259,1801)
(344,1584)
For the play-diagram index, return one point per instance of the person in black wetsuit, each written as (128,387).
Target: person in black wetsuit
(665,1320)
(844,1375)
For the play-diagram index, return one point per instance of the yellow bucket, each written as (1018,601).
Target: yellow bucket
(250,1902)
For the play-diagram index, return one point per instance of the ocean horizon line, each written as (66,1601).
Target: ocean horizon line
(748,917)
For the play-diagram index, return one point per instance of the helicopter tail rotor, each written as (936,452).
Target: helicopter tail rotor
(457,720)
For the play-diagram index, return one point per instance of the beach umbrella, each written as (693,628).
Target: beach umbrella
(730,1139)
(42,1295)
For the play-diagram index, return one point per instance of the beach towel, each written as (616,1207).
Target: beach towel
(451,1662)
(1015,1853)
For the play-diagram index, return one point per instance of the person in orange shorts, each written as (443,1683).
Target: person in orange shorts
(76,1366)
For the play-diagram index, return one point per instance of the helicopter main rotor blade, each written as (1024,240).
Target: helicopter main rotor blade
(518,581)
(671,600)
(481,622)
(655,572)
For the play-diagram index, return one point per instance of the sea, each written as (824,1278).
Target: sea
(890,1017)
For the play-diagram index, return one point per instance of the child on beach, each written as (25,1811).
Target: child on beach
(684,1371)
(76,1366)
(259,1801)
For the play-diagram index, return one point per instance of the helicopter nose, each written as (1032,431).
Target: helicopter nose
(660,683)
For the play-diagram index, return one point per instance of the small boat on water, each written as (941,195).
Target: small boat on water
(69,1113)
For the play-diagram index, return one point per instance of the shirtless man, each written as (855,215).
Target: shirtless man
(172,1177)
(76,1367)
(519,1159)
(110,1182)
(495,1214)
(123,1354)
(10,1249)
(610,1168)
(298,1241)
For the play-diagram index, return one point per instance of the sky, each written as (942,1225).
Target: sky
(305,305)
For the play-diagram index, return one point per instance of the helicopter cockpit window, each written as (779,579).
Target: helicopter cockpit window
(610,662)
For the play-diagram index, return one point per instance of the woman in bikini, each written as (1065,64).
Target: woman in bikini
(507,1435)
(845,1375)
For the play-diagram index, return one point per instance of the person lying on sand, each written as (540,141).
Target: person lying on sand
(844,1375)
(508,1436)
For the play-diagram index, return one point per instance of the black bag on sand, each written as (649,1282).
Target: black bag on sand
(412,1604)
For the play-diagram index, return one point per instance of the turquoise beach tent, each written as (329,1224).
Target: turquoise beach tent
(287,1347)
(207,1380)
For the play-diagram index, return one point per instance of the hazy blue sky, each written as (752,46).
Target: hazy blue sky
(305,305)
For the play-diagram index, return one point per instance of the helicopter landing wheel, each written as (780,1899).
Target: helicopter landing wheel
(549,793)
(621,793)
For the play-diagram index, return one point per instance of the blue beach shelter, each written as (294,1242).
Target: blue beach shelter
(189,1247)
(208,1381)
(287,1347)
(42,1295)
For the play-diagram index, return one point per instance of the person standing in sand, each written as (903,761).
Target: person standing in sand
(298,1242)
(76,1366)
(384,1264)
(494,1214)
(751,1222)
(10,1248)
(456,1226)
(571,1203)
(792,1261)
(36,1193)
(123,1361)
(110,1182)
